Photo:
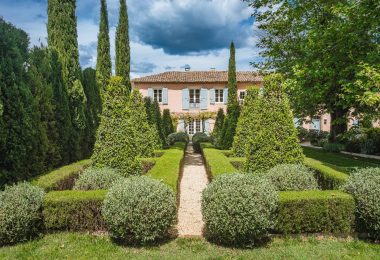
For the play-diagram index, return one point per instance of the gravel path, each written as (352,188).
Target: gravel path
(194,180)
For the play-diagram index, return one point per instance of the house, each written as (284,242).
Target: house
(194,97)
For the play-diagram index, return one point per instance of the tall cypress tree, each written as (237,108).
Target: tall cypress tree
(167,123)
(233,108)
(103,64)
(62,37)
(218,127)
(24,149)
(123,58)
(61,108)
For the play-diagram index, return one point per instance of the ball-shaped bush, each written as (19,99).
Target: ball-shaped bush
(364,185)
(292,177)
(20,213)
(97,179)
(238,209)
(177,137)
(139,210)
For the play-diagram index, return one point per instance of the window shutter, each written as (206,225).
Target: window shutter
(212,96)
(225,95)
(207,126)
(185,99)
(164,96)
(203,97)
(150,93)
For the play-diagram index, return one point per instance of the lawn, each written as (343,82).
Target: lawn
(341,162)
(85,246)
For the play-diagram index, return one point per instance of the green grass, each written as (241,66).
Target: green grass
(85,246)
(216,160)
(340,162)
(51,180)
(168,166)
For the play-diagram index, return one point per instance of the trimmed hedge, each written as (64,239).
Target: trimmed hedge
(97,179)
(216,161)
(328,178)
(167,167)
(199,138)
(315,211)
(62,178)
(74,210)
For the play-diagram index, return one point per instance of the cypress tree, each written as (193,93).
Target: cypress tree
(93,109)
(148,109)
(42,90)
(167,123)
(233,108)
(62,37)
(103,64)
(158,122)
(61,108)
(218,127)
(24,146)
(122,46)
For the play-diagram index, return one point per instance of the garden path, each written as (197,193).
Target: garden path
(194,181)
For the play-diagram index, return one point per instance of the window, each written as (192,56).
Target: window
(219,96)
(157,95)
(325,121)
(195,126)
(195,98)
(241,95)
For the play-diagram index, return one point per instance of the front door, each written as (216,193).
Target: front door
(195,126)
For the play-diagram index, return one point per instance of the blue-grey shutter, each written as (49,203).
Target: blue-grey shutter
(150,93)
(225,95)
(204,95)
(212,96)
(185,98)
(181,125)
(164,96)
(207,126)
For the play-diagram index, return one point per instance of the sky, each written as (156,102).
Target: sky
(165,35)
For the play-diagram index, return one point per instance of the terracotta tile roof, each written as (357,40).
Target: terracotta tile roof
(198,76)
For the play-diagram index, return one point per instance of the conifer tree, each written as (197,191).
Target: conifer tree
(158,121)
(167,123)
(103,64)
(218,127)
(62,37)
(39,75)
(122,46)
(148,109)
(61,108)
(124,134)
(233,108)
(93,109)
(24,149)
(272,137)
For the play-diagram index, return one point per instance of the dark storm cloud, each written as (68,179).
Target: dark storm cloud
(143,67)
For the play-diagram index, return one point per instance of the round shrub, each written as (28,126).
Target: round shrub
(97,179)
(139,210)
(238,209)
(177,137)
(292,177)
(197,139)
(20,213)
(364,185)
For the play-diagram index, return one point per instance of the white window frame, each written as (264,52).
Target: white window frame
(194,99)
(195,126)
(157,95)
(219,95)
(242,92)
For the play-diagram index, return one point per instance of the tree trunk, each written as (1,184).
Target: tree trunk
(338,123)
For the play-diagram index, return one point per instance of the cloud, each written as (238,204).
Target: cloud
(143,67)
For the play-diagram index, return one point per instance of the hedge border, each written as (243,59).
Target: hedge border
(216,161)
(328,178)
(328,211)
(62,178)
(74,210)
(168,167)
